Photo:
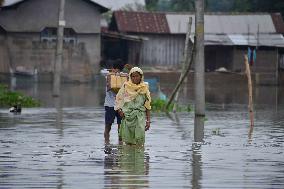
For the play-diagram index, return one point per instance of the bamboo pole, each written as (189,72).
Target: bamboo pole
(250,106)
(184,61)
(190,60)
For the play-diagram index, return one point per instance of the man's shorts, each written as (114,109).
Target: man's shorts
(110,115)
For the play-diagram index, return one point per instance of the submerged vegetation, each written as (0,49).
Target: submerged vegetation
(159,105)
(10,98)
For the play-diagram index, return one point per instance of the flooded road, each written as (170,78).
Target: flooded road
(61,145)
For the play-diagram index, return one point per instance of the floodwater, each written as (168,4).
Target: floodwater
(61,145)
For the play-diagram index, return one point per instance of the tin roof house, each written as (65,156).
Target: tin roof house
(227,38)
(28,32)
(157,45)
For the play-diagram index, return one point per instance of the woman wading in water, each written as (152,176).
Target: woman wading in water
(133,105)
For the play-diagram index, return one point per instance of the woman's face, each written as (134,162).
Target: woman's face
(136,77)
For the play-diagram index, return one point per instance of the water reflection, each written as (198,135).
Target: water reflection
(59,115)
(60,182)
(250,133)
(196,166)
(127,166)
(174,117)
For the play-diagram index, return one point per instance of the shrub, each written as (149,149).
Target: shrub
(9,98)
(159,105)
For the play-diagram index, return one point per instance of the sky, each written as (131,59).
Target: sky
(113,4)
(117,4)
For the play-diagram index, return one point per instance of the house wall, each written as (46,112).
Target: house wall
(35,15)
(134,53)
(162,50)
(23,45)
(4,62)
(266,60)
(27,51)
(265,69)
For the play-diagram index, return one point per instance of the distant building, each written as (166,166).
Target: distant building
(227,38)
(28,30)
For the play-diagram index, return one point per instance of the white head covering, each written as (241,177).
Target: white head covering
(129,91)
(136,69)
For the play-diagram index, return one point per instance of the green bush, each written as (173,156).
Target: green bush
(9,98)
(159,105)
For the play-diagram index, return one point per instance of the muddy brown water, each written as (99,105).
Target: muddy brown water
(60,145)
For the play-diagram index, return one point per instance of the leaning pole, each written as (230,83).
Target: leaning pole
(59,50)
(199,76)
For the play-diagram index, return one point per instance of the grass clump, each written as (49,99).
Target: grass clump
(159,105)
(10,98)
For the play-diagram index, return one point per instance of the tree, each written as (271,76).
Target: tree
(218,5)
(242,5)
(151,5)
(182,5)
(135,6)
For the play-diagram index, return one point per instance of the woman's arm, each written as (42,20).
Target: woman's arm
(148,121)
(121,113)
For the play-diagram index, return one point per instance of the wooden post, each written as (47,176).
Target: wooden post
(199,75)
(59,50)
(250,106)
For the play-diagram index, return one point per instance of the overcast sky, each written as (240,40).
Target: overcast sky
(117,4)
(113,4)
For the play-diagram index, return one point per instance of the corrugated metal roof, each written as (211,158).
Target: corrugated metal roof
(237,29)
(9,3)
(141,22)
(239,24)
(224,23)
(278,22)
(268,40)
(212,39)
(178,23)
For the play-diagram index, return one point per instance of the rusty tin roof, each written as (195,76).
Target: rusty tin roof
(278,22)
(141,22)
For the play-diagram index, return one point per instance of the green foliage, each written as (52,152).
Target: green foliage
(182,5)
(159,105)
(170,5)
(135,6)
(151,5)
(9,98)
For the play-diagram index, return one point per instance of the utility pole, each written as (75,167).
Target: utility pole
(59,50)
(199,76)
